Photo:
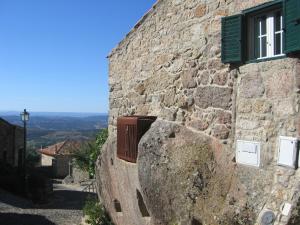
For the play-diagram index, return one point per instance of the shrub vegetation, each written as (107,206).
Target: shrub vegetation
(96,213)
(86,156)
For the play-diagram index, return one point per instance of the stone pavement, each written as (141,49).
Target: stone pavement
(63,208)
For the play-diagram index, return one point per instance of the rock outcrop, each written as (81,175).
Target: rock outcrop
(181,176)
(195,182)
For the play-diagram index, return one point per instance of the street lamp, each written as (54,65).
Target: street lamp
(24,117)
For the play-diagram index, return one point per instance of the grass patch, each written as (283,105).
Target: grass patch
(96,213)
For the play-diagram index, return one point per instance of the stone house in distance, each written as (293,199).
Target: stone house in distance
(223,79)
(59,157)
(11,143)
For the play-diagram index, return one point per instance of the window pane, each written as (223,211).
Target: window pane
(257,49)
(278,21)
(263,46)
(263,29)
(277,44)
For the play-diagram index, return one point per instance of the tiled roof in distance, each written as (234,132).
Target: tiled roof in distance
(67,147)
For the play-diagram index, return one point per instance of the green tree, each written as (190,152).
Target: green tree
(82,158)
(101,137)
(86,156)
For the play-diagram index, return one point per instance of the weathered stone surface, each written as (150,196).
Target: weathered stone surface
(244,106)
(115,87)
(112,175)
(220,78)
(169,98)
(182,102)
(283,107)
(297,124)
(199,124)
(140,88)
(252,86)
(158,83)
(220,131)
(215,64)
(216,97)
(279,84)
(187,80)
(184,162)
(200,10)
(142,109)
(224,117)
(135,98)
(203,77)
(169,114)
(248,124)
(79,175)
(261,106)
(180,116)
(297,75)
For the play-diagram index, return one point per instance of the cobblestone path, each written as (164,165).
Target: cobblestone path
(64,208)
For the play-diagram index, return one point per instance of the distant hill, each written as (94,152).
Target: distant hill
(52,114)
(61,123)
(49,128)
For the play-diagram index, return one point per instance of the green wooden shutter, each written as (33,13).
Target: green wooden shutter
(232,39)
(292,25)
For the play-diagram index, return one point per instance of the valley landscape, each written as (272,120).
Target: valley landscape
(45,129)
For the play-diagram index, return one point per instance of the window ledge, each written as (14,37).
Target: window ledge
(265,59)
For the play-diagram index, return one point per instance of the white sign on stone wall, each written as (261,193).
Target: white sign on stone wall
(248,153)
(287,151)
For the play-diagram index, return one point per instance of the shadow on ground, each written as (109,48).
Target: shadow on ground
(14,200)
(67,199)
(23,219)
(60,199)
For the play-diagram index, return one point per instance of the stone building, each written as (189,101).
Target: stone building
(223,79)
(11,143)
(59,157)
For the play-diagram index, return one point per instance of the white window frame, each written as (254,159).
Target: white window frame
(281,35)
(270,35)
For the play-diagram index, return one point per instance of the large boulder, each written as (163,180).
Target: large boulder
(185,177)
(181,177)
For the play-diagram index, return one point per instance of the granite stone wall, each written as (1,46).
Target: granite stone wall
(169,66)
(11,140)
(267,105)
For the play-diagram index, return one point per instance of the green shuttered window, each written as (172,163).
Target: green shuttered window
(267,31)
(232,39)
(292,25)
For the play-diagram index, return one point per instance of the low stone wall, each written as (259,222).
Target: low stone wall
(79,175)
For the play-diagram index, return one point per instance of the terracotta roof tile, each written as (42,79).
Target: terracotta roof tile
(62,148)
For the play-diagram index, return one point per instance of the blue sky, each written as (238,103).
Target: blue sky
(53,52)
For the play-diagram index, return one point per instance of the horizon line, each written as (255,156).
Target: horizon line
(17,111)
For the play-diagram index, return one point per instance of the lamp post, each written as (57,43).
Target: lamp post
(24,117)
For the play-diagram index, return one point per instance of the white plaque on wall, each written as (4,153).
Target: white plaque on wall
(287,151)
(248,153)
